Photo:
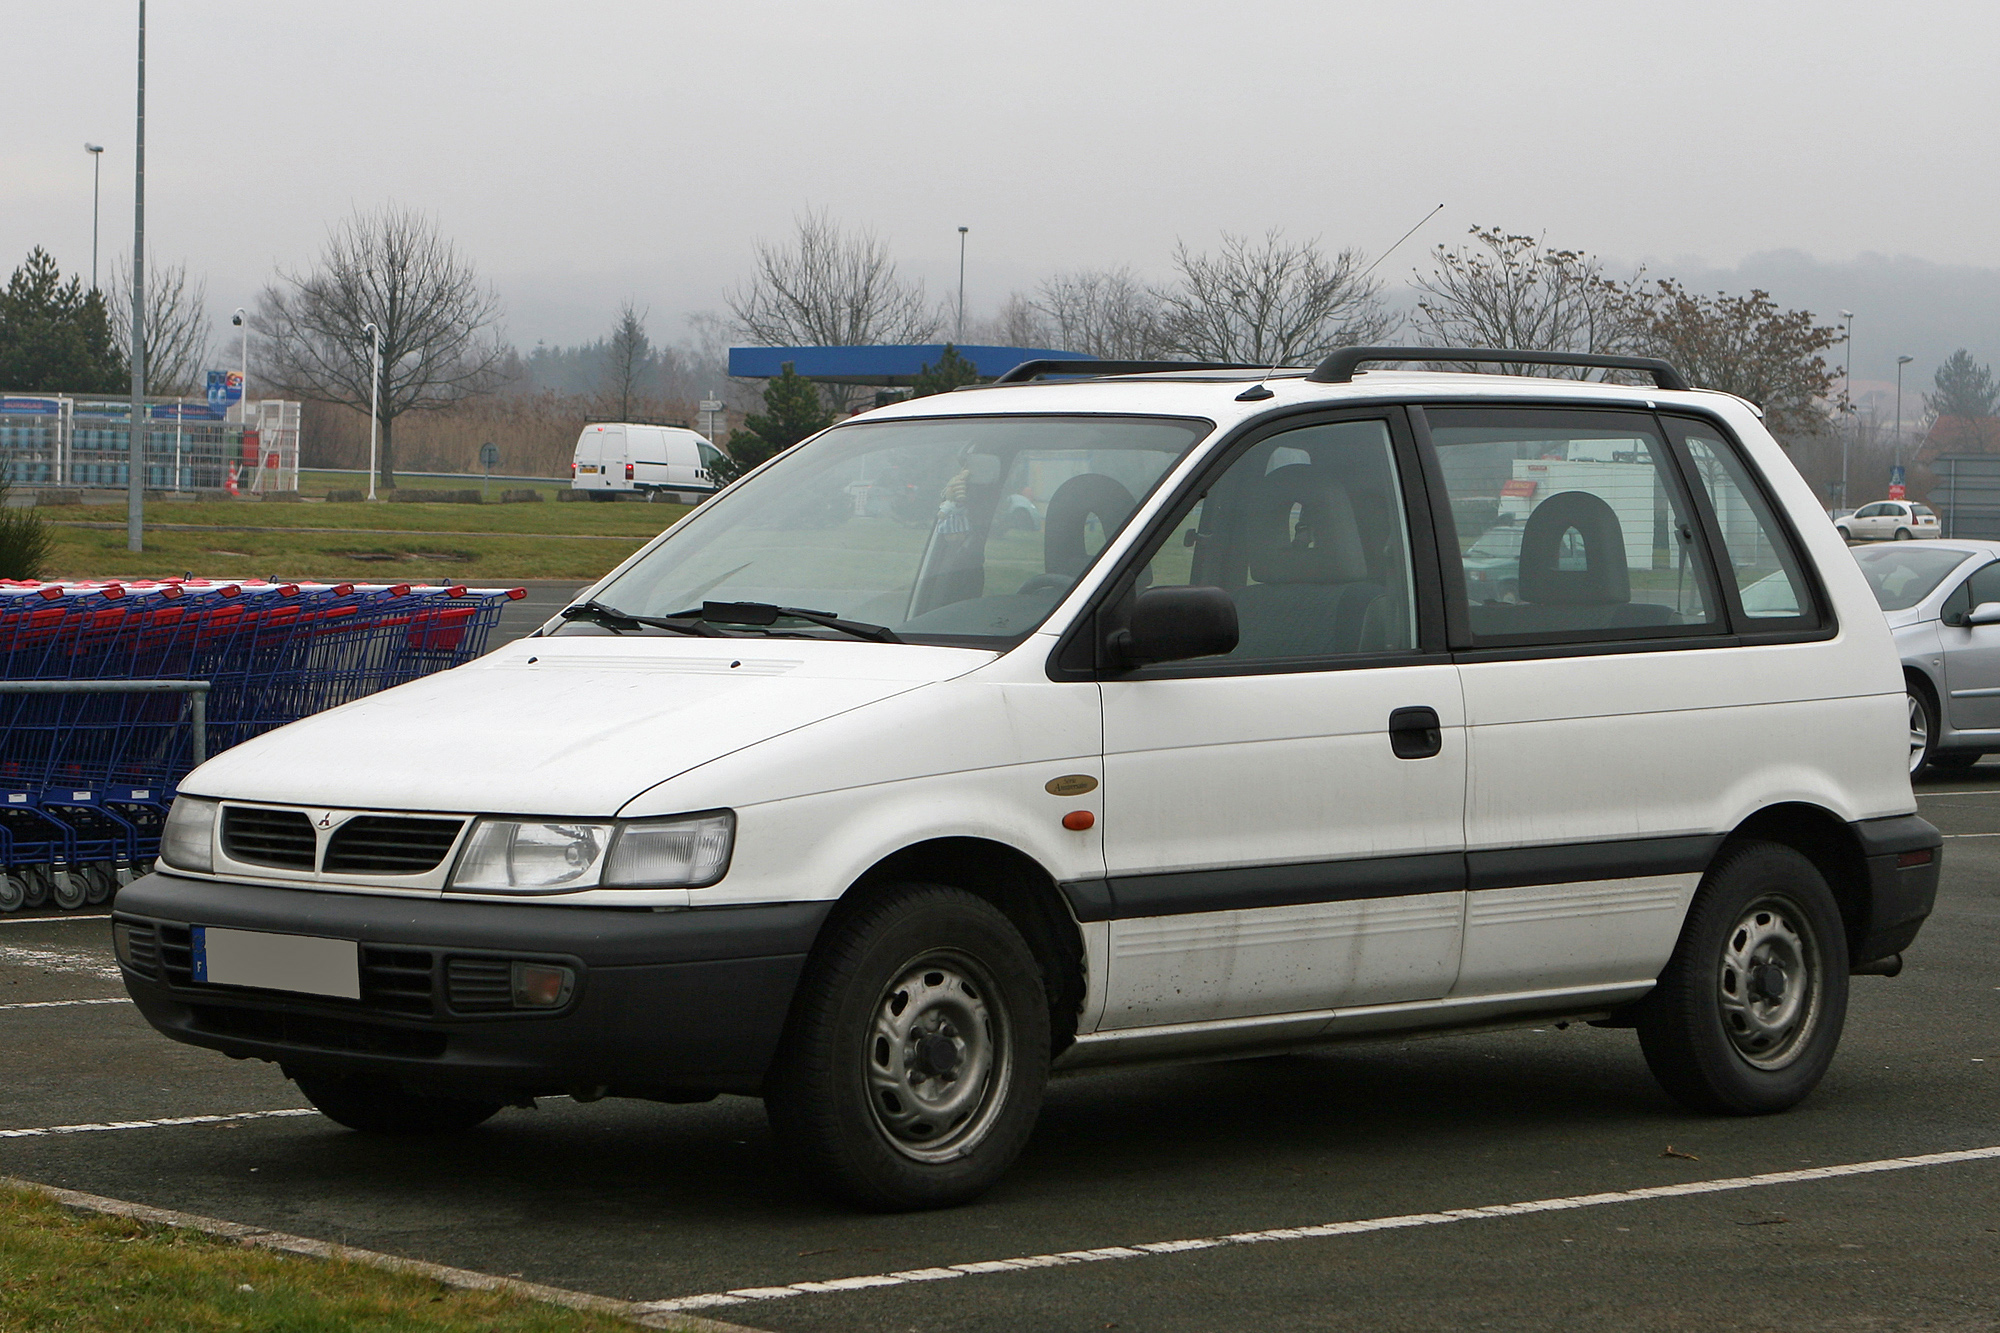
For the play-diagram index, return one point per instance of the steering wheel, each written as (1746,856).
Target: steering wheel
(1040,582)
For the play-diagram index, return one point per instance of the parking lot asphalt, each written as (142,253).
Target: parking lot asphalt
(664,1203)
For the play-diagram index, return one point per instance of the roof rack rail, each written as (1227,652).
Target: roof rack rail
(1339,368)
(1034,370)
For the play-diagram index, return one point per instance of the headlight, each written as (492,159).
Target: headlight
(684,853)
(515,856)
(188,840)
(556,856)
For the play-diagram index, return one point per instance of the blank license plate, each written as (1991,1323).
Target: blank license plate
(307,964)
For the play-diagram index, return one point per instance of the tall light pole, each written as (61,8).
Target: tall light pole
(1847,394)
(1901,361)
(241,319)
(961,282)
(374,399)
(135,480)
(96,151)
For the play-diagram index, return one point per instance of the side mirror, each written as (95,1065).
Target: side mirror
(1174,624)
(1986,613)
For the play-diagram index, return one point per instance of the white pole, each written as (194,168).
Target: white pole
(374,402)
(135,452)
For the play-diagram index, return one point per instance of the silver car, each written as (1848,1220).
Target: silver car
(1943,604)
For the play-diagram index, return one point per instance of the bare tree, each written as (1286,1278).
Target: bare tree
(1748,346)
(176,324)
(1105,312)
(1276,302)
(391,268)
(1516,291)
(831,288)
(630,363)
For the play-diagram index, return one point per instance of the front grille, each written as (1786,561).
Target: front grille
(389,845)
(327,1034)
(282,838)
(177,955)
(396,981)
(479,985)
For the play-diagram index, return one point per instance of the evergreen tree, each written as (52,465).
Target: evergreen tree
(792,411)
(55,337)
(950,371)
(1964,388)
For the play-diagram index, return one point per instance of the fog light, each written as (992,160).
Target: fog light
(542,986)
(121,942)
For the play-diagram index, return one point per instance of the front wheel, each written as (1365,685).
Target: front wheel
(912,1068)
(1846,533)
(1923,730)
(1747,1015)
(384,1106)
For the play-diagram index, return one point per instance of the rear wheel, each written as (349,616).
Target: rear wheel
(384,1106)
(912,1069)
(1960,759)
(1748,1014)
(1903,534)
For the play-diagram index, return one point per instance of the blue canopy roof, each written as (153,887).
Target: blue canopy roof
(879,365)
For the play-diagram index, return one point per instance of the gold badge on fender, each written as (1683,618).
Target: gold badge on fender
(1070,784)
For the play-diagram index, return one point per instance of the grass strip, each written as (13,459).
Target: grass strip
(475,558)
(611,520)
(77,1263)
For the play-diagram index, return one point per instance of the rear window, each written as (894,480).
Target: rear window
(1924,511)
(1902,575)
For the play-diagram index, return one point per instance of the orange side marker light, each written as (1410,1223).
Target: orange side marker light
(1076,821)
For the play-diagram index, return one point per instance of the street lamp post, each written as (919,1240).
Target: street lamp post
(242,321)
(374,399)
(135,442)
(1847,394)
(96,151)
(961,282)
(1901,361)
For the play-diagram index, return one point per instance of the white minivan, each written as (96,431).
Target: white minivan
(1055,724)
(651,460)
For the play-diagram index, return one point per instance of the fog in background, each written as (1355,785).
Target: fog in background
(1840,155)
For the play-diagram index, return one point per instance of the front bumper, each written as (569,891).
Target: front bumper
(1904,855)
(673,1005)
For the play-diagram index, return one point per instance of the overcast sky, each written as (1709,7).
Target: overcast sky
(588,151)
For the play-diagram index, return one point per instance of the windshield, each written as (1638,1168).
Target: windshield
(1903,575)
(947,530)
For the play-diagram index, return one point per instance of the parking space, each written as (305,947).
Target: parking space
(663,1203)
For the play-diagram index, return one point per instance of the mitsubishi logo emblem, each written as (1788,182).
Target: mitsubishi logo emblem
(326,820)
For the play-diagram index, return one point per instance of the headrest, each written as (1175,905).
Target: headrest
(1325,546)
(1603,580)
(1065,522)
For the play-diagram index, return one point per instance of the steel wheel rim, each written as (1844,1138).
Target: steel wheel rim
(1920,732)
(1769,983)
(938,1060)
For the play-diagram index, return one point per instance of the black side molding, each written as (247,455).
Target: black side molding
(1034,370)
(1577,862)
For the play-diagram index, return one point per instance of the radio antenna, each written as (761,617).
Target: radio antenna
(1259,391)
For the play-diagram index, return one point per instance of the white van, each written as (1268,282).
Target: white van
(651,460)
(1056,724)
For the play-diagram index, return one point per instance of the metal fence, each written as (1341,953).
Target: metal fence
(67,441)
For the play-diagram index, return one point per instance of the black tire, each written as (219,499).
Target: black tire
(1903,534)
(1846,535)
(1955,759)
(384,1106)
(1720,1033)
(870,1094)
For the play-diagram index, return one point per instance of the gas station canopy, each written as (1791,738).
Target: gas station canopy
(881,365)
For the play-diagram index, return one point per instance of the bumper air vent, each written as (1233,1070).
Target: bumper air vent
(389,845)
(479,985)
(177,955)
(138,947)
(397,981)
(282,838)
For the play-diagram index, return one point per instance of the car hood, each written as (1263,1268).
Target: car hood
(572,726)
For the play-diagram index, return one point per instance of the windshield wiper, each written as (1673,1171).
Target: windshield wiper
(763,613)
(621,621)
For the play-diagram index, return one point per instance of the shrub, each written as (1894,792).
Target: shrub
(24,540)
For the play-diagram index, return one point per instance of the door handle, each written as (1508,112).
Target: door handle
(1415,733)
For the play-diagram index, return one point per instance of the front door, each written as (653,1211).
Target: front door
(1272,847)
(1972,655)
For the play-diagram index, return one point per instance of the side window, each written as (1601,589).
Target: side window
(1570,527)
(1306,533)
(1766,569)
(1984,586)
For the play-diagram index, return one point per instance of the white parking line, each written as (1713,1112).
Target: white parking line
(1153,1249)
(59,1004)
(60,960)
(44,920)
(47,1131)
